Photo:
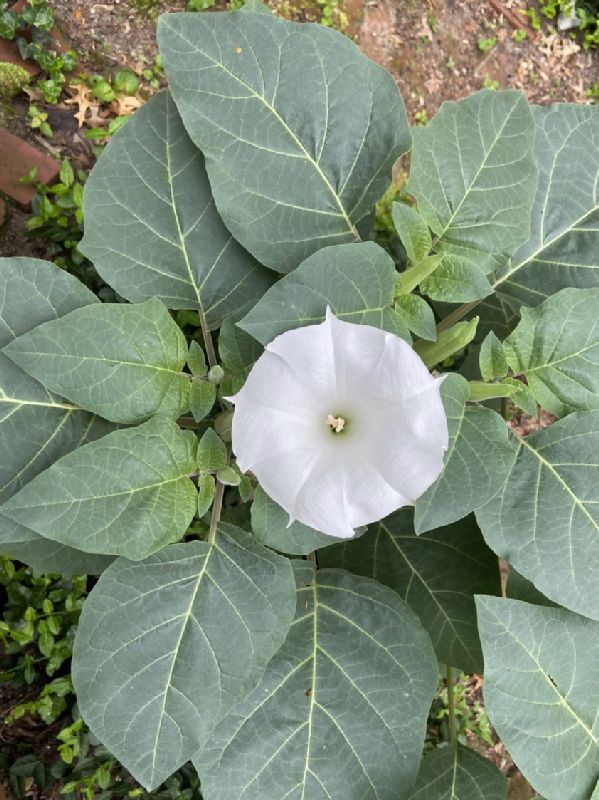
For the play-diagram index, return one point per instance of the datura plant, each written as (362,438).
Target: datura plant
(285,453)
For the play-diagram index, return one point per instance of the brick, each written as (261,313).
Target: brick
(17,158)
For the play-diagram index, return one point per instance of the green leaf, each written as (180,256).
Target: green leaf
(412,230)
(197,360)
(341,710)
(556,346)
(417,315)
(458,774)
(477,461)
(206,492)
(67,176)
(270,524)
(521,396)
(255,6)
(202,397)
(541,679)
(123,362)
(299,129)
(417,275)
(238,352)
(228,476)
(166,646)
(545,518)
(563,246)
(447,343)
(457,279)
(474,176)
(36,427)
(125,494)
(151,226)
(356,280)
(492,360)
(436,574)
(519,588)
(43,555)
(212,452)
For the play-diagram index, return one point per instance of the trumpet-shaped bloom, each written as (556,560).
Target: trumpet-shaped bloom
(341,424)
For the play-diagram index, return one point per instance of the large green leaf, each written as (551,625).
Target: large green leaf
(125,494)
(458,774)
(545,518)
(563,247)
(356,280)
(36,427)
(556,346)
(166,646)
(341,710)
(151,226)
(436,574)
(476,463)
(270,524)
(124,362)
(474,176)
(299,129)
(542,692)
(44,555)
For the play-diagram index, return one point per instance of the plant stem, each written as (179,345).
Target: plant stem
(210,351)
(216,509)
(453,733)
(456,315)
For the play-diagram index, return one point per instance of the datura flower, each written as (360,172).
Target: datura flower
(341,424)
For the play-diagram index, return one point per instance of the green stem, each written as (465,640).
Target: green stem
(412,277)
(480,391)
(208,344)
(448,343)
(453,731)
(456,315)
(216,509)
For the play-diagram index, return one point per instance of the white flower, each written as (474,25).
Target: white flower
(341,424)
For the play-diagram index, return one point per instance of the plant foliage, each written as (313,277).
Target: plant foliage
(235,206)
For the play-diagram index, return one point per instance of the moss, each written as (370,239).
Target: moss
(13,79)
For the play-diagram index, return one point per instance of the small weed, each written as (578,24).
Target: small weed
(471,717)
(486,44)
(593,91)
(38,17)
(490,83)
(38,120)
(519,35)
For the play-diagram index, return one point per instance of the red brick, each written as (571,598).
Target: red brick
(17,157)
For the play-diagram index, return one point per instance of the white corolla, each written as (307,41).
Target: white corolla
(341,424)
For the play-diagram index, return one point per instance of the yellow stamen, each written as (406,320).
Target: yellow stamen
(336,423)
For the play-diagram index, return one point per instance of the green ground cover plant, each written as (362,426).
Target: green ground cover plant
(281,457)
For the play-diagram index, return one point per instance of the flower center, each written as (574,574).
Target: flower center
(337,424)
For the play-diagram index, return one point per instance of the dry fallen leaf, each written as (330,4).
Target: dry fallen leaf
(122,106)
(83,98)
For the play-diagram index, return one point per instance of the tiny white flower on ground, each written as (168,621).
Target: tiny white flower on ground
(341,424)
